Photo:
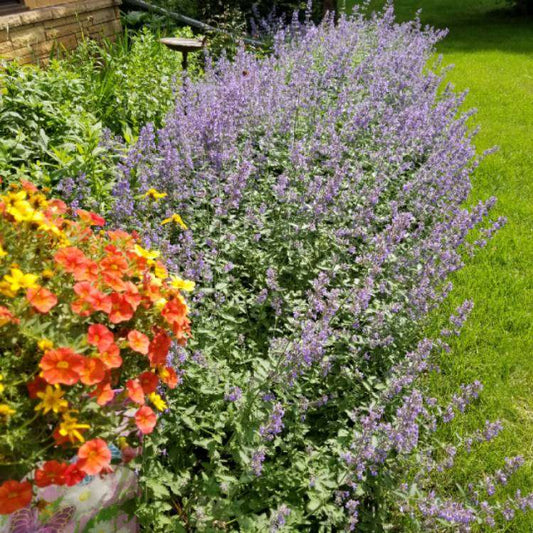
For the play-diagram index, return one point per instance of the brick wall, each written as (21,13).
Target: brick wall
(30,36)
(33,4)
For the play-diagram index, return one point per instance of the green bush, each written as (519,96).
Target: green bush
(46,130)
(129,83)
(53,120)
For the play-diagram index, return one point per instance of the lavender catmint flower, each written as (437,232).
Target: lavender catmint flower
(275,424)
(325,195)
(233,395)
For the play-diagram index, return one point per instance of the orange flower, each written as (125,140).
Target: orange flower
(121,310)
(93,371)
(100,336)
(91,299)
(94,456)
(81,308)
(168,376)
(36,385)
(52,473)
(175,313)
(135,391)
(70,258)
(14,496)
(152,290)
(84,290)
(73,475)
(131,295)
(88,271)
(61,365)
(120,236)
(145,419)
(90,218)
(41,299)
(149,382)
(6,316)
(111,357)
(103,394)
(113,268)
(55,208)
(100,301)
(28,186)
(159,347)
(138,341)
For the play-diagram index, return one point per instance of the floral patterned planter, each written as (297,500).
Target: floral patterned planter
(96,505)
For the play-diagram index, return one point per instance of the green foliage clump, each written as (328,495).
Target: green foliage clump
(131,82)
(46,128)
(54,121)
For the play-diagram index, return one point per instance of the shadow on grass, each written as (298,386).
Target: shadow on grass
(499,30)
(474,25)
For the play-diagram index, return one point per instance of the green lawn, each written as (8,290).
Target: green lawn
(493,57)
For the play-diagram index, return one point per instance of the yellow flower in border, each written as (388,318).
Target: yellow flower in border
(159,304)
(6,291)
(175,218)
(154,194)
(157,401)
(160,271)
(2,388)
(52,400)
(47,273)
(22,211)
(50,228)
(3,253)
(18,280)
(182,284)
(6,411)
(155,280)
(146,254)
(69,428)
(45,344)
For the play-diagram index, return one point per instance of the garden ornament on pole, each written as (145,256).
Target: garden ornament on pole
(184,46)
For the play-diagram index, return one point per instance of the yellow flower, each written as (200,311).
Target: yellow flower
(70,428)
(50,228)
(160,271)
(159,304)
(47,273)
(52,400)
(157,401)
(182,284)
(45,344)
(175,218)
(2,388)
(6,291)
(18,280)
(20,209)
(147,254)
(3,253)
(6,411)
(155,195)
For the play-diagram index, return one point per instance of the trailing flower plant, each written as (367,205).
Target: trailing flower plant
(87,321)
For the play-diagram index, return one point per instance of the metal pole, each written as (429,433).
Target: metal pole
(187,20)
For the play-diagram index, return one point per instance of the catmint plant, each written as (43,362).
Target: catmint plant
(317,198)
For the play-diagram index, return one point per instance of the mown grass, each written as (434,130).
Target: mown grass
(492,51)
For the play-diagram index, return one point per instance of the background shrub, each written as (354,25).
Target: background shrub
(45,127)
(57,122)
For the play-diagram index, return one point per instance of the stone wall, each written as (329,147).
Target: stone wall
(30,36)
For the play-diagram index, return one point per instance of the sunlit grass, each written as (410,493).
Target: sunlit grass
(493,57)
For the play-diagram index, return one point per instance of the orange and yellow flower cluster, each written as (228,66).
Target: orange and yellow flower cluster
(87,319)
